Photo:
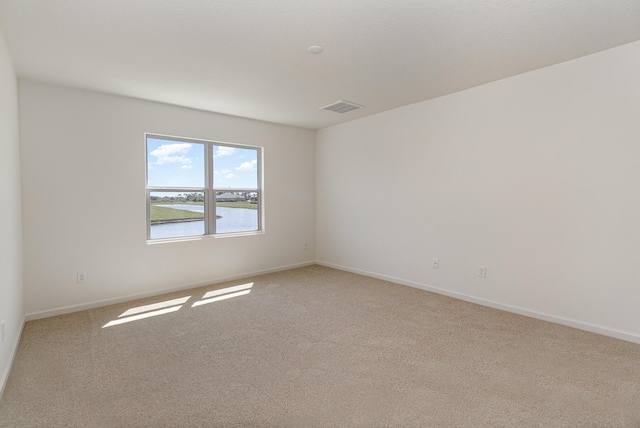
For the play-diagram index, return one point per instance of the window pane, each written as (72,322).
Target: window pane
(175,214)
(236,212)
(235,167)
(174,163)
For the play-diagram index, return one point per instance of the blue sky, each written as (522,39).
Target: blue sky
(181,164)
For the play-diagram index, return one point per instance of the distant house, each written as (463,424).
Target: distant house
(228,197)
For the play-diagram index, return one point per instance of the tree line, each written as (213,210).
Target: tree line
(199,197)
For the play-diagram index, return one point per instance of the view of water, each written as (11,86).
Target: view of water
(232,220)
(186,207)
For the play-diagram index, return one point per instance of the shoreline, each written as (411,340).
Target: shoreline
(180,220)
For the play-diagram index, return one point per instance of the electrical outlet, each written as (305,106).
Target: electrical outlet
(2,330)
(81,277)
(482,271)
(435,263)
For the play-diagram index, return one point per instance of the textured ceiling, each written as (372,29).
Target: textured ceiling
(248,57)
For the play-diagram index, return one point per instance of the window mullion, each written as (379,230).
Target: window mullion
(210,195)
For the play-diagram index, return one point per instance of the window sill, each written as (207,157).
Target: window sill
(202,237)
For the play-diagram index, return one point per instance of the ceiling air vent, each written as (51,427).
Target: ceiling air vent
(342,106)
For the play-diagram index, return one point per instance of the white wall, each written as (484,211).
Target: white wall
(11,305)
(536,177)
(83,160)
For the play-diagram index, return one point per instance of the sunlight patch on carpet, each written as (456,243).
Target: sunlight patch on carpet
(155,306)
(142,316)
(224,293)
(173,305)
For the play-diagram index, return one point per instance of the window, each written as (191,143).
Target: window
(190,180)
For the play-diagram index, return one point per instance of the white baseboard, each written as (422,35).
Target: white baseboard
(618,334)
(7,369)
(106,302)
(629,337)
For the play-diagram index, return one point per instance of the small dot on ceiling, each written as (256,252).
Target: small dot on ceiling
(315,49)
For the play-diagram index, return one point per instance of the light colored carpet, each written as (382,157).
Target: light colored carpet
(317,347)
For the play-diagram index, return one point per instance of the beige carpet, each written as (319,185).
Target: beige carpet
(317,347)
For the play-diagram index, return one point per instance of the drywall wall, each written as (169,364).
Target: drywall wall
(534,177)
(83,157)
(11,305)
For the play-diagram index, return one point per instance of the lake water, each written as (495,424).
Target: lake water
(186,207)
(232,220)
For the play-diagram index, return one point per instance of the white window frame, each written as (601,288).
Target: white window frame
(209,191)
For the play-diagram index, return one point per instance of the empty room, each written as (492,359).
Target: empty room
(320,214)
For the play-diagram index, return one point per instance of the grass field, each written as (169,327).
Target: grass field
(164,213)
(237,205)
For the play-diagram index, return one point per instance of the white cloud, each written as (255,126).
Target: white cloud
(248,166)
(224,173)
(187,166)
(172,153)
(224,151)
